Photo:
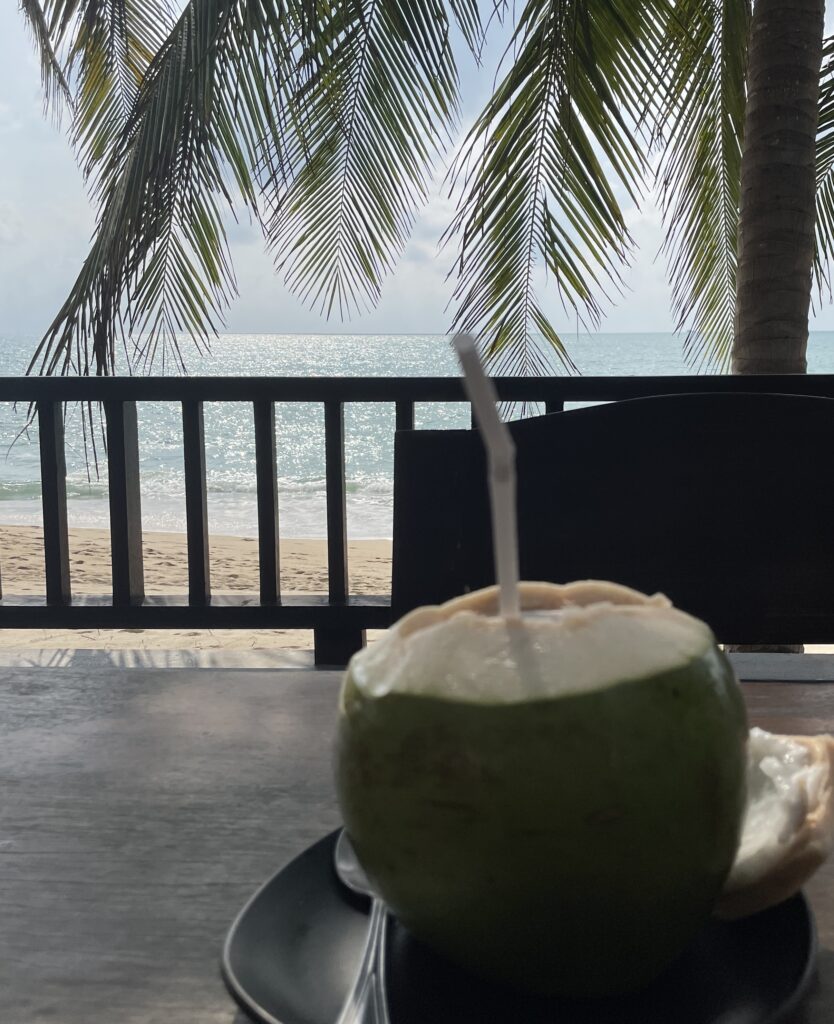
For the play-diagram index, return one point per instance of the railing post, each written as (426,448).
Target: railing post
(335,645)
(554,405)
(266,476)
(54,497)
(125,503)
(196,502)
(334,469)
(404,415)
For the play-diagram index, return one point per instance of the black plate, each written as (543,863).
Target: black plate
(290,956)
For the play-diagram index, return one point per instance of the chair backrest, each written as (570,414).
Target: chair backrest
(725,502)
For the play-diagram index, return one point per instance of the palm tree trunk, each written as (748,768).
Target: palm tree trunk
(777,214)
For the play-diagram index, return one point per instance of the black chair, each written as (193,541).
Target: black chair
(725,502)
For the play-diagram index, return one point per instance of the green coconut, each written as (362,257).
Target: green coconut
(553,803)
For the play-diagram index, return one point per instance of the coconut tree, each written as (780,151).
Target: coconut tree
(326,121)
(778,185)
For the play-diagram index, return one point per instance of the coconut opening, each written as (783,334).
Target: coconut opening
(570,639)
(784,783)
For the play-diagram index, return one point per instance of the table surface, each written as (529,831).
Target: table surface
(141,808)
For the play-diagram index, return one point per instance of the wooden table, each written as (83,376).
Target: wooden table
(140,808)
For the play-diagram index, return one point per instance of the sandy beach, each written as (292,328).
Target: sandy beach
(234,569)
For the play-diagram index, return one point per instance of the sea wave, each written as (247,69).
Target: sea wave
(22,490)
(168,486)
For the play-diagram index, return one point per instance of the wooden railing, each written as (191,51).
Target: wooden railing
(338,619)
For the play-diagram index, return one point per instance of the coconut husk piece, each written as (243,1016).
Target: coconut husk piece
(803,853)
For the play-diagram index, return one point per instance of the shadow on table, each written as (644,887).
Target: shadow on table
(95,659)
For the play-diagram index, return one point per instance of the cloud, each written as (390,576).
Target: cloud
(10,223)
(244,230)
(9,121)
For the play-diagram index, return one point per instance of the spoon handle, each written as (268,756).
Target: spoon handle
(366,1003)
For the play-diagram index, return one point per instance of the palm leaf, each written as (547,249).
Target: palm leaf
(159,263)
(701,122)
(102,48)
(536,191)
(56,88)
(467,15)
(825,172)
(376,99)
(113,46)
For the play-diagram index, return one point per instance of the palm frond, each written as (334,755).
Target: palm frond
(159,263)
(467,15)
(536,191)
(699,175)
(825,173)
(376,98)
(102,49)
(113,44)
(56,88)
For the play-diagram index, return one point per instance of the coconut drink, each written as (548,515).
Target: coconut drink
(553,801)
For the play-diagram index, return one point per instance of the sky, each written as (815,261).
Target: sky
(46,222)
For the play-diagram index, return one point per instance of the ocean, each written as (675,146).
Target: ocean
(230,445)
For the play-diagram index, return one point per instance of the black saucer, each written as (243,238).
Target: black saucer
(291,954)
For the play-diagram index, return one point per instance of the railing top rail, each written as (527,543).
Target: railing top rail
(388,389)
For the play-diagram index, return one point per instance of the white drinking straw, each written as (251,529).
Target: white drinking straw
(501,457)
